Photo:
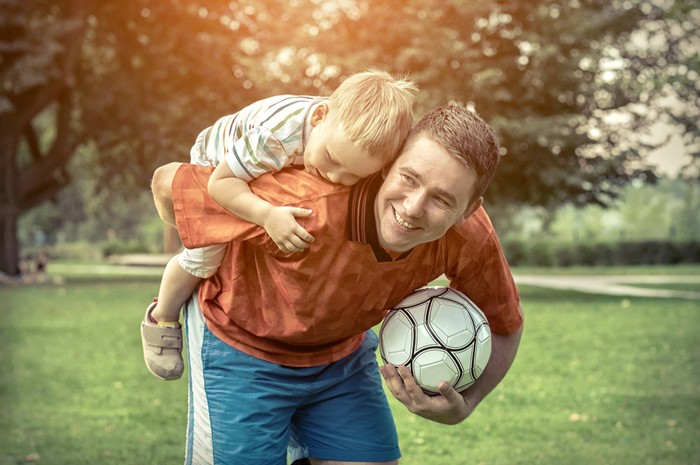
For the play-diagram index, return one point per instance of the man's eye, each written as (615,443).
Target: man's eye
(407,179)
(443,203)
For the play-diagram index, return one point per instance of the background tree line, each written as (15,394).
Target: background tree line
(113,89)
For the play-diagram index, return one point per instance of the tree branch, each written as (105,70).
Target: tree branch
(30,137)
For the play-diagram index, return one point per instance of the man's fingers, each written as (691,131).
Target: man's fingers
(393,380)
(412,387)
(449,393)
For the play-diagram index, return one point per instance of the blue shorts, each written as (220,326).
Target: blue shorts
(244,410)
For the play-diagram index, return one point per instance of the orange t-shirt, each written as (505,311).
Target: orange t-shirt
(313,307)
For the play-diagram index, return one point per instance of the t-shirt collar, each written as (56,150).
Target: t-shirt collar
(362,225)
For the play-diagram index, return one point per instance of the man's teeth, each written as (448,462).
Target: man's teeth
(402,222)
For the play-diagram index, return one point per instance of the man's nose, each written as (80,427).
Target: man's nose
(414,204)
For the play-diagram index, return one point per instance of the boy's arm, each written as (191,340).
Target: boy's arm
(235,195)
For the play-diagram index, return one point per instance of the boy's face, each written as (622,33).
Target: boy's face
(425,192)
(330,155)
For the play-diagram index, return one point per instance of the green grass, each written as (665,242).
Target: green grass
(692,287)
(73,386)
(670,270)
(598,380)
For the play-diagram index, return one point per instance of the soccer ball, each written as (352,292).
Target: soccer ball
(438,334)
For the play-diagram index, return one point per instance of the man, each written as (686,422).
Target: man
(280,346)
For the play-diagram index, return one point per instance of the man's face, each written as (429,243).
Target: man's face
(425,192)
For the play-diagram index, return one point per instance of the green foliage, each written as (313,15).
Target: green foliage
(568,254)
(119,219)
(668,210)
(136,81)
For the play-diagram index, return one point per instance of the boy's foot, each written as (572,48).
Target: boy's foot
(162,347)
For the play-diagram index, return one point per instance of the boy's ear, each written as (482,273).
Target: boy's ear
(319,114)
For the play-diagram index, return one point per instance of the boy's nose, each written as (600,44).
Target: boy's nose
(333,176)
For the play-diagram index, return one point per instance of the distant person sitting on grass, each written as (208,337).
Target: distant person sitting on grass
(281,351)
(341,139)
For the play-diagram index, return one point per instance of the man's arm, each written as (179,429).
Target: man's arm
(162,194)
(451,407)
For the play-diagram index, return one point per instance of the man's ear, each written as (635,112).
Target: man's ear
(319,114)
(471,209)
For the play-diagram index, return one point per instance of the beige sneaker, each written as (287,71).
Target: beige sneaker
(162,347)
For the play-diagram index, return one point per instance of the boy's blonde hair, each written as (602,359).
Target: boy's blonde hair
(375,110)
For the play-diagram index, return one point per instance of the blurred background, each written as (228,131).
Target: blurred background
(595,103)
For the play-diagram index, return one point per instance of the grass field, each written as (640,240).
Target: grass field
(598,380)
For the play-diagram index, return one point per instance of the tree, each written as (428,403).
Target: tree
(37,61)
(535,69)
(139,79)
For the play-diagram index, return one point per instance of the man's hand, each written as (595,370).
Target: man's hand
(281,225)
(448,408)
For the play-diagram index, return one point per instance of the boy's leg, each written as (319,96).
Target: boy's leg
(161,333)
(176,287)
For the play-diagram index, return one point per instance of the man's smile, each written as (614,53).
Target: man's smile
(403,222)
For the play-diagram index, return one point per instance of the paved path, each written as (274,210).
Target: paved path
(614,285)
(609,285)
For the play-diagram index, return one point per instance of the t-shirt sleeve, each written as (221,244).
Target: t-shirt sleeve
(477,267)
(201,221)
(256,152)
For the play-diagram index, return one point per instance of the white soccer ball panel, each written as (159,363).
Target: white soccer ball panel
(432,367)
(452,323)
(424,338)
(466,358)
(420,296)
(483,350)
(397,339)
(484,334)
(418,312)
(464,383)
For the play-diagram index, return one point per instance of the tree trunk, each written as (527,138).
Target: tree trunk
(9,208)
(9,254)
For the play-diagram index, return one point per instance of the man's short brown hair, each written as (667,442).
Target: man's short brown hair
(465,136)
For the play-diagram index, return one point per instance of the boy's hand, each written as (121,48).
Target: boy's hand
(281,225)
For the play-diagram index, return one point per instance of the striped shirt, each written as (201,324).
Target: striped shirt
(313,307)
(265,136)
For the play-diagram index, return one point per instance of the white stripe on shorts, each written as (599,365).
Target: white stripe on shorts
(199,450)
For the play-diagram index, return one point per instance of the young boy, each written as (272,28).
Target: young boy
(352,134)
